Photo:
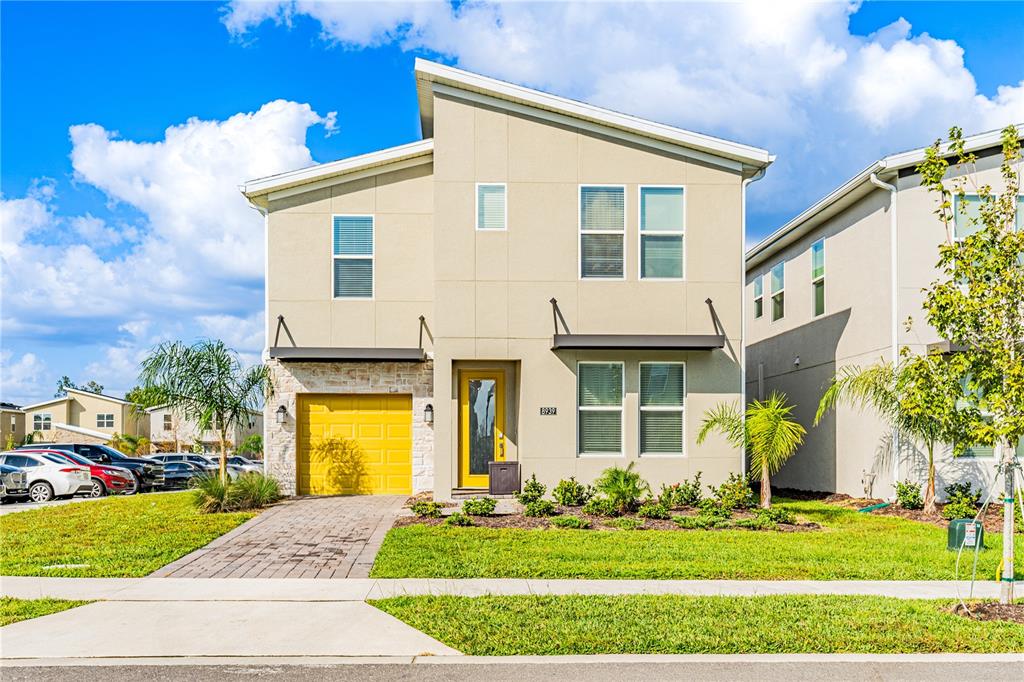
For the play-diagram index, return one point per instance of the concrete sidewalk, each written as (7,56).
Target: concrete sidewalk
(358,590)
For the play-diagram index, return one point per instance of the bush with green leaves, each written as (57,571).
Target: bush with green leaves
(458,519)
(776,515)
(600,506)
(734,493)
(684,494)
(962,501)
(480,506)
(540,508)
(908,495)
(427,509)
(652,510)
(713,509)
(624,487)
(756,523)
(211,494)
(571,493)
(693,522)
(250,491)
(532,491)
(574,522)
(625,523)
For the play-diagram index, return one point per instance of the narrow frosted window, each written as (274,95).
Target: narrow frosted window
(490,207)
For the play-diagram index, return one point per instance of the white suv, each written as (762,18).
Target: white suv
(49,476)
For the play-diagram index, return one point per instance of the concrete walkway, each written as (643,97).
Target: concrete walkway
(307,537)
(357,590)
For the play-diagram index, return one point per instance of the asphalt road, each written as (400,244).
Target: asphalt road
(529,672)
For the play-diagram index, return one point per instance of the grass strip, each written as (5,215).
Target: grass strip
(13,610)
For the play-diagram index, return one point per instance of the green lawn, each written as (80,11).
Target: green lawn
(851,546)
(110,538)
(12,610)
(659,624)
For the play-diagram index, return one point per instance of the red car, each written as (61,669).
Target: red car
(106,480)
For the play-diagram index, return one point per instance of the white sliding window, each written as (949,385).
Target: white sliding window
(662,407)
(602,231)
(778,282)
(599,406)
(818,276)
(662,226)
(353,256)
(491,206)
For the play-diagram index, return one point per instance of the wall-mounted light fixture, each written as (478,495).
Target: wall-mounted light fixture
(796,362)
(282,414)
(428,414)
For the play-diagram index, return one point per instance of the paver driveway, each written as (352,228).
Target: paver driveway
(308,537)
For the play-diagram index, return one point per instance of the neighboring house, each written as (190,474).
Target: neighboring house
(835,287)
(12,424)
(84,417)
(538,281)
(170,432)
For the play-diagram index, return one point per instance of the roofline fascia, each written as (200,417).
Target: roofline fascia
(52,401)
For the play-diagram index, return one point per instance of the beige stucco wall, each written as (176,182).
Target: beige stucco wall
(12,426)
(58,410)
(493,288)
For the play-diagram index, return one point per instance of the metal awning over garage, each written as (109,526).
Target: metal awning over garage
(295,353)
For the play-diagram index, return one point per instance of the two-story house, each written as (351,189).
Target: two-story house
(84,417)
(171,431)
(835,287)
(538,281)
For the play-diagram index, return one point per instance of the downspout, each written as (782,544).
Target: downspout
(266,307)
(893,302)
(743,303)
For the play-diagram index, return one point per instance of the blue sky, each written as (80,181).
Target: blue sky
(126,128)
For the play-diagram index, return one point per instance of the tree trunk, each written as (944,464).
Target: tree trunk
(1006,579)
(766,487)
(929,489)
(223,456)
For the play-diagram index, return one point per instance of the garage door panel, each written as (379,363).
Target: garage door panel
(380,429)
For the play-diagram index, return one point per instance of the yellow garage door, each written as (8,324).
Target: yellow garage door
(354,445)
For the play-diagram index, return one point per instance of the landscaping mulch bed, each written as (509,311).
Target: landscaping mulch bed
(992,520)
(598,522)
(1013,613)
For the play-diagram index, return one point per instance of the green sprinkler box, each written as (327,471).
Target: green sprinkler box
(966,533)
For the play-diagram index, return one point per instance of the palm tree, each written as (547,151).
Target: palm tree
(920,397)
(131,445)
(768,433)
(206,382)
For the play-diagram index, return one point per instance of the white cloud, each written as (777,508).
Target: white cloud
(241,333)
(20,379)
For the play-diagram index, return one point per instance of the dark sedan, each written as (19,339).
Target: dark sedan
(182,474)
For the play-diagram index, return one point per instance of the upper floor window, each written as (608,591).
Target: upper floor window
(42,421)
(818,276)
(759,296)
(353,256)
(662,396)
(168,423)
(778,282)
(968,209)
(602,231)
(105,420)
(599,406)
(491,207)
(662,227)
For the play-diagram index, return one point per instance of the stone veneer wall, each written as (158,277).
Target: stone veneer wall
(292,378)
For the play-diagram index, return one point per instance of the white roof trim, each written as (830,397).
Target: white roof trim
(99,395)
(81,430)
(322,171)
(52,401)
(428,72)
(851,190)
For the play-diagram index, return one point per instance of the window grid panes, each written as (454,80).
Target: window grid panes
(490,207)
(168,424)
(818,276)
(758,296)
(42,422)
(353,256)
(105,420)
(662,415)
(662,228)
(778,284)
(602,232)
(599,412)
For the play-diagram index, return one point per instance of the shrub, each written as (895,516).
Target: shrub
(540,508)
(713,510)
(684,494)
(532,491)
(254,491)
(482,506)
(211,494)
(571,493)
(600,506)
(625,523)
(427,509)
(623,487)
(652,510)
(570,522)
(458,519)
(776,515)
(908,495)
(734,493)
(758,522)
(962,501)
(693,522)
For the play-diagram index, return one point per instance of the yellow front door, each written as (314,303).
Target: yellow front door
(481,425)
(354,444)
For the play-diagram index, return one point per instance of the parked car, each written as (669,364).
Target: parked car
(49,476)
(200,460)
(106,479)
(149,473)
(243,463)
(13,483)
(182,474)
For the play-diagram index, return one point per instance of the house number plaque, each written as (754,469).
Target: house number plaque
(544,411)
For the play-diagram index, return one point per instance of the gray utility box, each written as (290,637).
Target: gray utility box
(966,533)
(504,478)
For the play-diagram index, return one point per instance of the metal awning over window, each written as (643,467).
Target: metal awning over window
(295,353)
(677,342)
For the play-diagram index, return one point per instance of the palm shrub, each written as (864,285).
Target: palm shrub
(767,431)
(211,494)
(254,491)
(624,487)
